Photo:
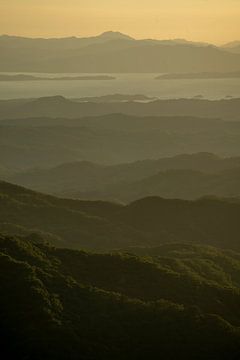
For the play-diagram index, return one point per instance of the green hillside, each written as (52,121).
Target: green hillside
(65,305)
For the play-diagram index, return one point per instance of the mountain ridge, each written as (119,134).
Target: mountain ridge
(112,52)
(109,34)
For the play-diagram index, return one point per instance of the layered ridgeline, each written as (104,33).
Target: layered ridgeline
(103,226)
(135,105)
(143,277)
(181,303)
(51,138)
(113,52)
(184,176)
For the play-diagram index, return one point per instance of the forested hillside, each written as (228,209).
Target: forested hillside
(68,306)
(103,225)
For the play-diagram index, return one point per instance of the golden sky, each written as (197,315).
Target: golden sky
(215,21)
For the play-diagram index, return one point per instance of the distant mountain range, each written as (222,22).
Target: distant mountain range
(113,52)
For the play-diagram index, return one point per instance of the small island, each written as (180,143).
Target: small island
(202,75)
(25,77)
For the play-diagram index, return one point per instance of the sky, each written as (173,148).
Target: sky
(214,21)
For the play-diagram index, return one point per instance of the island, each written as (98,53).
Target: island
(202,75)
(25,77)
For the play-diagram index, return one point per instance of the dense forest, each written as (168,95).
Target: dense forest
(65,303)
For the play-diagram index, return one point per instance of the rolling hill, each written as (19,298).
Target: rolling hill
(186,176)
(111,139)
(171,184)
(102,225)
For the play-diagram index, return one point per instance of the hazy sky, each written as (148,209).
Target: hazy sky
(216,21)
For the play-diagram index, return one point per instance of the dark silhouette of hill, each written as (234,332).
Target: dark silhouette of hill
(113,53)
(103,226)
(183,219)
(183,176)
(68,305)
(58,106)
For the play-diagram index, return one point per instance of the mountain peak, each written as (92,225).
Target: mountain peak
(114,35)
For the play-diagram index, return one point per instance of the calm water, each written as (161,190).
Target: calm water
(124,84)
